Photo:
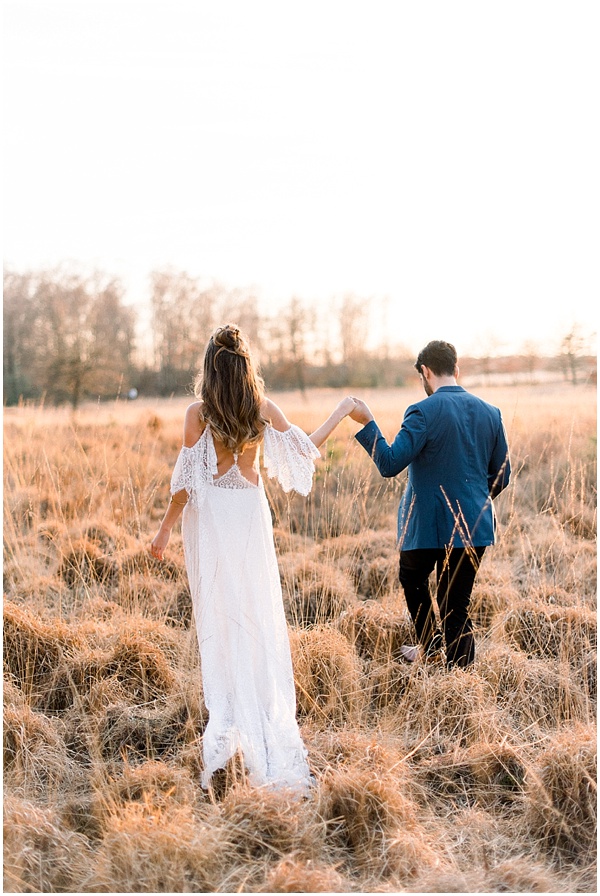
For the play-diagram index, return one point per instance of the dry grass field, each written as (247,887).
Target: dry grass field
(427,781)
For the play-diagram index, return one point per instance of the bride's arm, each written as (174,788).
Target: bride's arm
(192,430)
(279,421)
(174,510)
(345,407)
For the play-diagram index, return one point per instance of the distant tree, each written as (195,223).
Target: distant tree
(573,348)
(72,337)
(183,317)
(353,320)
(298,320)
(362,367)
(287,349)
(489,348)
(531,356)
(19,354)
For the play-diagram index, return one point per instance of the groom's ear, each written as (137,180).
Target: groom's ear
(456,371)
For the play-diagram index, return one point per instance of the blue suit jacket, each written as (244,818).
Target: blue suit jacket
(455,448)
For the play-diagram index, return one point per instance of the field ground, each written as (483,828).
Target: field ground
(427,781)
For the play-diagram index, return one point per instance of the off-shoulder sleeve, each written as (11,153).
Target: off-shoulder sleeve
(194,467)
(290,458)
(182,476)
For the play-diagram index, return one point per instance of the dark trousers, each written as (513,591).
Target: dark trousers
(456,569)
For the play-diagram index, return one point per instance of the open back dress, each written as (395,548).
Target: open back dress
(234,581)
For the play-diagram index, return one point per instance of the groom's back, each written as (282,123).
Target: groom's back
(461,428)
(452,474)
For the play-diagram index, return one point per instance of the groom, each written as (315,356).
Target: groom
(455,448)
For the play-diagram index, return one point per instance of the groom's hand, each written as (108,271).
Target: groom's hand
(361,412)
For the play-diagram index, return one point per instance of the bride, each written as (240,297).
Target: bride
(231,564)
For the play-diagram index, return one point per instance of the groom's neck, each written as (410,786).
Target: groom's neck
(438,381)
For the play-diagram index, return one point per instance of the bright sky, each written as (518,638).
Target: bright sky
(441,154)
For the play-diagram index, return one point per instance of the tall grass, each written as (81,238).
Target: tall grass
(468,781)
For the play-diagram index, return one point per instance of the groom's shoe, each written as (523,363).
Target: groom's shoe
(413,654)
(409,653)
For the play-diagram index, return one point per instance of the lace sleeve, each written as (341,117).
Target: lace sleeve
(290,458)
(194,467)
(183,471)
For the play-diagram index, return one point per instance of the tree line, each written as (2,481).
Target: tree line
(70,336)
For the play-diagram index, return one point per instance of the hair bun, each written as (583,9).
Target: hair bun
(227,337)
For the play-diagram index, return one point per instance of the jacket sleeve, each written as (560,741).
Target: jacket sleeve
(499,466)
(392,459)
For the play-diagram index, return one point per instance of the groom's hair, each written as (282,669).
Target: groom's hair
(439,356)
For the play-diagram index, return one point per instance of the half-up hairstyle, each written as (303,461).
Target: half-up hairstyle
(232,390)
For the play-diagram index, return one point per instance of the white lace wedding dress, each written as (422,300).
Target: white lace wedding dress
(236,592)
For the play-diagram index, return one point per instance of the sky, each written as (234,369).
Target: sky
(438,159)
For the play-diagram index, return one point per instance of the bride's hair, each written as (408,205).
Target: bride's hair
(232,390)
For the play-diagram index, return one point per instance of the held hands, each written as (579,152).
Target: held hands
(345,407)
(355,408)
(361,413)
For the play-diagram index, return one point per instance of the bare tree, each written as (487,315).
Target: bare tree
(182,321)
(573,348)
(287,345)
(19,312)
(531,356)
(353,328)
(489,348)
(73,332)
(299,321)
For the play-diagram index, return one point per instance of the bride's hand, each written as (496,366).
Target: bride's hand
(159,543)
(361,412)
(346,406)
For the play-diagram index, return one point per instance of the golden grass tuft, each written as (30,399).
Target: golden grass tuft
(363,811)
(33,649)
(314,592)
(553,632)
(521,875)
(264,823)
(56,664)
(371,558)
(138,560)
(482,776)
(140,666)
(453,708)
(155,730)
(536,692)
(356,749)
(140,593)
(152,783)
(377,633)
(35,753)
(304,876)
(85,563)
(40,855)
(388,684)
(494,592)
(147,849)
(563,795)
(327,673)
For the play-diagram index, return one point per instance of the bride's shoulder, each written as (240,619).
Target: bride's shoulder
(194,424)
(274,415)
